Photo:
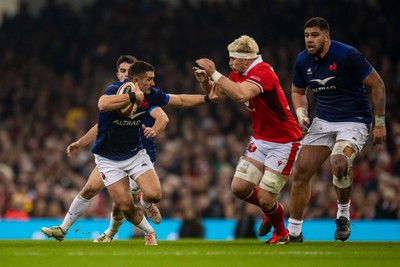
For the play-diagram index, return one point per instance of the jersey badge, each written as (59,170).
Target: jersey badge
(332,67)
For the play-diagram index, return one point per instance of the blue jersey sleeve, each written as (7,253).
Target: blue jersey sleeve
(357,65)
(113,88)
(158,98)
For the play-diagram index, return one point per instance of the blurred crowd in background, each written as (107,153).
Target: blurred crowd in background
(54,66)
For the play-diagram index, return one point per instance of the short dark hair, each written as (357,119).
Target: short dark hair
(139,68)
(317,22)
(125,59)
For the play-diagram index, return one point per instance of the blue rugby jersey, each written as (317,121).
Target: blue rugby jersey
(336,83)
(148,143)
(118,137)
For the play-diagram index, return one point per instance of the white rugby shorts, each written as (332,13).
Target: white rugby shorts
(325,133)
(277,156)
(112,171)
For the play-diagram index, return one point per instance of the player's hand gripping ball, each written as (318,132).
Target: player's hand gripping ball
(129,109)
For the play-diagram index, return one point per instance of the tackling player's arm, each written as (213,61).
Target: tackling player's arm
(378,98)
(300,105)
(186,101)
(161,121)
(240,92)
(203,79)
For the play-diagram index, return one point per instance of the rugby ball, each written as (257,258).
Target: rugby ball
(129,109)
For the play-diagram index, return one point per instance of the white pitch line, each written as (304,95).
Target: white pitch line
(181,253)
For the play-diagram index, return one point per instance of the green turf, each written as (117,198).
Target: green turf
(193,253)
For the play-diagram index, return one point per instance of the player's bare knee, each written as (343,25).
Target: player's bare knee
(339,165)
(88,192)
(240,188)
(117,214)
(152,197)
(125,206)
(343,155)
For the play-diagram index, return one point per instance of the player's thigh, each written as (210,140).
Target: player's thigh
(310,158)
(149,183)
(120,193)
(93,186)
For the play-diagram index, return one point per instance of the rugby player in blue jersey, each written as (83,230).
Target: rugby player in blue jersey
(94,184)
(146,81)
(338,75)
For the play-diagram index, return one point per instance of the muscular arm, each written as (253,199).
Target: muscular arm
(239,92)
(299,98)
(374,81)
(185,101)
(161,121)
(89,137)
(378,99)
(113,102)
(300,105)
(84,141)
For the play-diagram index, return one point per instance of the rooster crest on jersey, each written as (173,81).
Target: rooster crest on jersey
(129,109)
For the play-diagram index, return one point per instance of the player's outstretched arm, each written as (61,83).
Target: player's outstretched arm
(239,92)
(187,101)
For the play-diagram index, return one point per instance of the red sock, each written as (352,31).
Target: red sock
(275,216)
(253,197)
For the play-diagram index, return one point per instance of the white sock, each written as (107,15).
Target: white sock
(77,208)
(295,227)
(343,210)
(145,226)
(114,226)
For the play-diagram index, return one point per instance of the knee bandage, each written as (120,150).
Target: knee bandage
(247,171)
(272,182)
(347,179)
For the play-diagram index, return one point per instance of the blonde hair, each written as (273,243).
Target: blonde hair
(244,44)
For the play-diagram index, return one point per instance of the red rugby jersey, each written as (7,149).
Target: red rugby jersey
(269,111)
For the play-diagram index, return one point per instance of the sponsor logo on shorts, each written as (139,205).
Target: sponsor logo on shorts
(252,147)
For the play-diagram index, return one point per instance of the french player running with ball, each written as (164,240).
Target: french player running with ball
(337,74)
(95,184)
(109,145)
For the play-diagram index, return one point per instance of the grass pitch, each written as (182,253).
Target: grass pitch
(245,252)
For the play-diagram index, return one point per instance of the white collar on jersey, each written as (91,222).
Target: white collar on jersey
(255,62)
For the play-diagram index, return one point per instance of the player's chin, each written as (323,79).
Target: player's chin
(311,52)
